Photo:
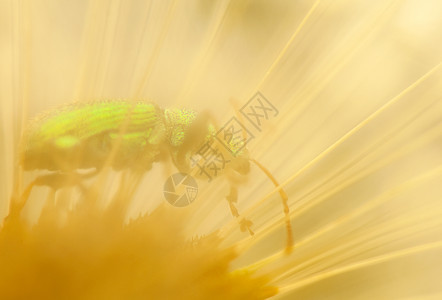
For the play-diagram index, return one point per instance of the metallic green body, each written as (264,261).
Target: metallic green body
(83,135)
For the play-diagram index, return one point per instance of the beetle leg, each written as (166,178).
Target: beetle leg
(50,207)
(56,181)
(282,193)
(232,199)
(196,136)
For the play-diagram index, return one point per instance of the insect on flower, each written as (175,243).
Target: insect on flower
(82,136)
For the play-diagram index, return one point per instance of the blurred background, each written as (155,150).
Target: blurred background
(357,141)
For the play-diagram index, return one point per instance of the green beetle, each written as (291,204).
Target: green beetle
(83,136)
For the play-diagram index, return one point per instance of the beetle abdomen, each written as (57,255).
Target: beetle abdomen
(82,136)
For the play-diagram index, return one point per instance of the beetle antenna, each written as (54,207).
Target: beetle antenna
(283,194)
(285,199)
